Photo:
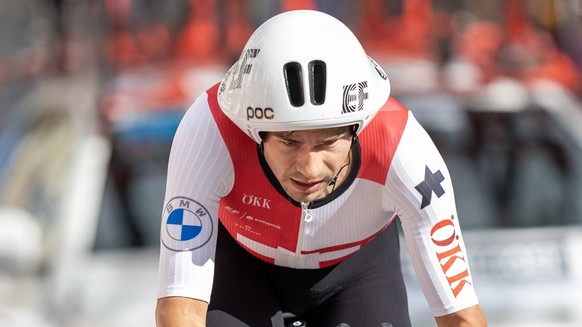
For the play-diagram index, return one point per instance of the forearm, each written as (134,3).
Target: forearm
(469,317)
(180,312)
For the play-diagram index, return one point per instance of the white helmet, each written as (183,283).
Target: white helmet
(302,70)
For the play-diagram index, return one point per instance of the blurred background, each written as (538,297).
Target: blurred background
(91,92)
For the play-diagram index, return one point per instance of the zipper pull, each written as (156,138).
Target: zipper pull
(307,217)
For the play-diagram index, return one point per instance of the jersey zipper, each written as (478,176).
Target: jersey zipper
(306,217)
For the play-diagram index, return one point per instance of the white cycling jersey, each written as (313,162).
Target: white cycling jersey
(216,173)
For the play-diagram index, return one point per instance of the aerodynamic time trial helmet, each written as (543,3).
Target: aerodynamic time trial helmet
(301,70)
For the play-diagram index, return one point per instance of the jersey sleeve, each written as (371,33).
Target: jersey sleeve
(200,171)
(419,189)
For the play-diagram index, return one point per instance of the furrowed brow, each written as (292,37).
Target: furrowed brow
(283,135)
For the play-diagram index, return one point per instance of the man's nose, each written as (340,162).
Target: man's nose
(308,163)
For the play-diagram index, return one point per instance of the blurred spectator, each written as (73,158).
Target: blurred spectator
(537,56)
(235,27)
(397,29)
(474,59)
(144,31)
(531,51)
(517,47)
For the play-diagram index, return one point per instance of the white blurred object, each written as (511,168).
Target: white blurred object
(198,79)
(462,76)
(18,317)
(561,104)
(20,240)
(411,75)
(503,95)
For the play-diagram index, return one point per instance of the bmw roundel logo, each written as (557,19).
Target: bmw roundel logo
(183,225)
(187,225)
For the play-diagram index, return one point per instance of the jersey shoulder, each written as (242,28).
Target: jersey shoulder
(389,122)
(380,139)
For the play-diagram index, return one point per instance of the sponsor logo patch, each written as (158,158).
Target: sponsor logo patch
(187,225)
(445,237)
(431,184)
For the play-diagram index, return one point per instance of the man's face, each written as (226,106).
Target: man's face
(305,162)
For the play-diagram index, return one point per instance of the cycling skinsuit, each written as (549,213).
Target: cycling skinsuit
(220,192)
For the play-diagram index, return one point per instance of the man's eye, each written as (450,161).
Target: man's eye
(327,144)
(289,143)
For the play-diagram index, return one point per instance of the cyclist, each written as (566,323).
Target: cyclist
(284,184)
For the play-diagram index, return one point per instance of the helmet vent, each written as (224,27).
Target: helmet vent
(317,78)
(294,83)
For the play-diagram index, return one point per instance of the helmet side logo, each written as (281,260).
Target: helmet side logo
(379,69)
(244,67)
(354,96)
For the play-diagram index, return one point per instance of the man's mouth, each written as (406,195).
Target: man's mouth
(306,187)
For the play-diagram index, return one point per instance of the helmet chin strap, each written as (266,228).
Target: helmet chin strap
(333,181)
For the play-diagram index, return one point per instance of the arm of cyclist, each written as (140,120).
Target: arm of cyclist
(180,311)
(469,317)
(186,268)
(424,200)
